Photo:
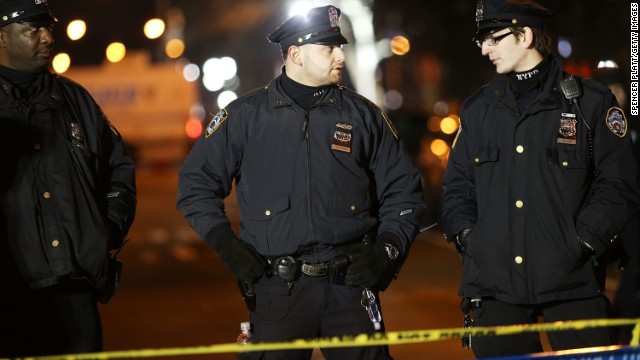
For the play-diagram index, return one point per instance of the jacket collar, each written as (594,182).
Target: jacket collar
(279,98)
(499,93)
(50,95)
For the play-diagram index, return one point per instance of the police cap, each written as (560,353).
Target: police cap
(492,15)
(33,11)
(321,25)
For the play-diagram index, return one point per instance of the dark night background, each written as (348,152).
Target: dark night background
(597,28)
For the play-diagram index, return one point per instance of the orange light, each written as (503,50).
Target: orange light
(449,124)
(193,128)
(439,147)
(400,45)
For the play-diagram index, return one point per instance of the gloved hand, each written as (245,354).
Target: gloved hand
(116,237)
(242,259)
(369,266)
(462,240)
(587,252)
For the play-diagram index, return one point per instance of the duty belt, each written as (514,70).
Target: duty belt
(288,269)
(319,269)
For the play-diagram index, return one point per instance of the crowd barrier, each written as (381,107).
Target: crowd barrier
(388,338)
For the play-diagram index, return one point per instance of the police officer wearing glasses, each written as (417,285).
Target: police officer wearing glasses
(329,199)
(67,195)
(540,182)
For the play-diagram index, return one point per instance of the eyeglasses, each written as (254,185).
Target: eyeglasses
(492,40)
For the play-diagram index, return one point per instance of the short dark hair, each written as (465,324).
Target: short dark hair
(541,40)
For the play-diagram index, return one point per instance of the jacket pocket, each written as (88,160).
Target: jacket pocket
(85,162)
(349,203)
(268,223)
(485,154)
(272,299)
(266,209)
(568,158)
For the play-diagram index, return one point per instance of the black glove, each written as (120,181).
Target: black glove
(242,259)
(116,237)
(462,240)
(586,253)
(369,266)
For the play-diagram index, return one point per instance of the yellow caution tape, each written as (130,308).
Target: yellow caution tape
(388,338)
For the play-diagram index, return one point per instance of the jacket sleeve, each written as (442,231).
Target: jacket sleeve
(398,187)
(121,193)
(614,195)
(116,171)
(459,202)
(206,179)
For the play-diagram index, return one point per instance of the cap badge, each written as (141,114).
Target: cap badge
(479,11)
(334,17)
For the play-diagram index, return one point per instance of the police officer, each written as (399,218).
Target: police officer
(626,302)
(67,195)
(540,182)
(329,199)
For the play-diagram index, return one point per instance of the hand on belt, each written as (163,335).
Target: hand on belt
(288,269)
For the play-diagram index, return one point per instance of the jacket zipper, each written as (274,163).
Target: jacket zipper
(305,137)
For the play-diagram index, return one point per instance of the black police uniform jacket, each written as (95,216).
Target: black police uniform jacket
(66,177)
(530,199)
(321,177)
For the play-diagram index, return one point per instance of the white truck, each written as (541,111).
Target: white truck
(148,103)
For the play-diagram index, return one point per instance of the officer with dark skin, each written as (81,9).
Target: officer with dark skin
(540,182)
(67,195)
(329,199)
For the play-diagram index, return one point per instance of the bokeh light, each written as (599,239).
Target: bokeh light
(449,124)
(116,52)
(400,45)
(154,28)
(225,98)
(193,128)
(174,48)
(76,29)
(61,63)
(191,72)
(439,147)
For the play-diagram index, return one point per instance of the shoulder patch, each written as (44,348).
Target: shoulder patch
(616,121)
(390,125)
(215,123)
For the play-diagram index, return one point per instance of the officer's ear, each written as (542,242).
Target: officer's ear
(294,54)
(527,37)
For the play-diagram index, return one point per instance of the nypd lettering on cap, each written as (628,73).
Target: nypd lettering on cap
(616,121)
(215,123)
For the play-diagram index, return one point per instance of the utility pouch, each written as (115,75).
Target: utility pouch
(287,269)
(338,269)
(114,273)
(248,292)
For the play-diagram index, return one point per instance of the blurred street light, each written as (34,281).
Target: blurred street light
(154,28)
(116,52)
(61,63)
(76,29)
